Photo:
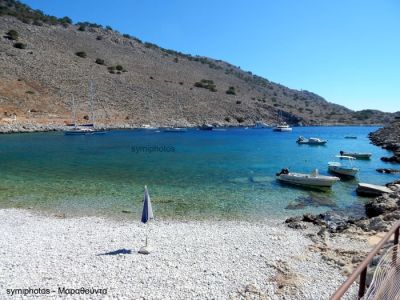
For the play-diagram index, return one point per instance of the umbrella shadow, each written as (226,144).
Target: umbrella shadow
(117,252)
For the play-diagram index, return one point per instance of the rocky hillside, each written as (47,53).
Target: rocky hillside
(45,60)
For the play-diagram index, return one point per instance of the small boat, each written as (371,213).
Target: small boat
(350,137)
(206,127)
(311,141)
(357,155)
(282,127)
(148,127)
(341,169)
(310,180)
(175,129)
(84,129)
(372,190)
(260,125)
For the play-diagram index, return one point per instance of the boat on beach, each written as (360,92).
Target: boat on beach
(310,141)
(309,180)
(357,155)
(343,169)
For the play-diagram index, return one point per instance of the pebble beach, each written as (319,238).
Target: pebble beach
(190,260)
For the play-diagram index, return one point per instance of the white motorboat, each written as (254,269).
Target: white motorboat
(260,125)
(342,169)
(282,127)
(311,180)
(206,127)
(148,127)
(175,129)
(311,141)
(357,155)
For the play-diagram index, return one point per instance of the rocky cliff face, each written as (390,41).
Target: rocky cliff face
(137,83)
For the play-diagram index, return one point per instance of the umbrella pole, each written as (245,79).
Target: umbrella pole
(147,234)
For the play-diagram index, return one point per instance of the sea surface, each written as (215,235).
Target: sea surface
(219,174)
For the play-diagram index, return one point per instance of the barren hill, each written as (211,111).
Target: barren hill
(45,60)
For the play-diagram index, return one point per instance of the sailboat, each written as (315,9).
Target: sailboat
(84,129)
(282,126)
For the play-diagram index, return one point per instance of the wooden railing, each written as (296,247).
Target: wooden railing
(361,270)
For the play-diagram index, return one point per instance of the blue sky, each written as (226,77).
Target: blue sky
(347,51)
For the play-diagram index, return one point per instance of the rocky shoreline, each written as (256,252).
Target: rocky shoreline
(380,213)
(388,138)
(29,127)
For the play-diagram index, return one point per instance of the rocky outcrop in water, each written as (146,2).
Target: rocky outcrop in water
(388,138)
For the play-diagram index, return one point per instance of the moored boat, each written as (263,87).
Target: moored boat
(282,127)
(311,180)
(206,127)
(342,169)
(357,155)
(260,125)
(175,129)
(372,190)
(311,141)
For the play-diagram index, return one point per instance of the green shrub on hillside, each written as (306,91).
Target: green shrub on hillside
(206,84)
(12,35)
(231,91)
(99,61)
(118,69)
(20,45)
(82,28)
(99,37)
(81,54)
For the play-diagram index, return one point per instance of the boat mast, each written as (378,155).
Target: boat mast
(91,95)
(73,110)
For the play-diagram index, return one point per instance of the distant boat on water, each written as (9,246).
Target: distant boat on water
(357,155)
(260,125)
(350,137)
(282,127)
(88,128)
(206,127)
(310,141)
(175,129)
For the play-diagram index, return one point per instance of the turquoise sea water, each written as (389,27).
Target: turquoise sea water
(196,174)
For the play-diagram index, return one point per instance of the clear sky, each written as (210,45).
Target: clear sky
(347,51)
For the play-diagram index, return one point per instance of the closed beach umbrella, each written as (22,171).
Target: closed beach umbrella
(147,215)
